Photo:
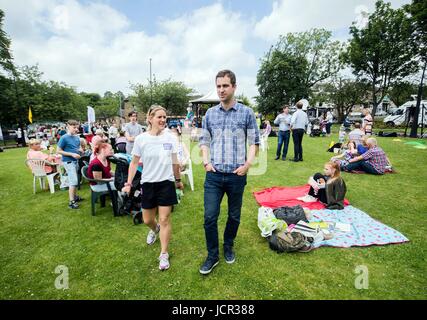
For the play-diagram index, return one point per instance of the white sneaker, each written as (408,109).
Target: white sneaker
(164,261)
(152,236)
(307,198)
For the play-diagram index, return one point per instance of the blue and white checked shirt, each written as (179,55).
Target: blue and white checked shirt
(225,133)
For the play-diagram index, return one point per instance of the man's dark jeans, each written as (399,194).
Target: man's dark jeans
(361,165)
(283,140)
(216,185)
(297,135)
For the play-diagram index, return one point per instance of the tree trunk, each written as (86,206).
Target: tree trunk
(374,99)
(414,127)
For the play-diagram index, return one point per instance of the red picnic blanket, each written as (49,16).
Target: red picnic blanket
(287,196)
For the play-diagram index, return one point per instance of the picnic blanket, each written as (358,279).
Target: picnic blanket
(287,196)
(363,172)
(365,231)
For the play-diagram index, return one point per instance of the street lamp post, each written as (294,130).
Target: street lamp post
(151,87)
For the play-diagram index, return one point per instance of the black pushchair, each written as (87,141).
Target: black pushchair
(129,204)
(315,128)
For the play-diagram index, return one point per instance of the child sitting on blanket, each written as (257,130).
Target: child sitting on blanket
(344,158)
(329,187)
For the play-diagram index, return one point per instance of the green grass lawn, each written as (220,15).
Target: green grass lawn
(107,257)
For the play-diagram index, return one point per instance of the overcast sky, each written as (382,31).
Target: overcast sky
(105,45)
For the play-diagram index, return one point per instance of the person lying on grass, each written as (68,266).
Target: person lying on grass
(329,187)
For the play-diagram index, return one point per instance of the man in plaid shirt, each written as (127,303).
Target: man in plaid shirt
(226,130)
(373,161)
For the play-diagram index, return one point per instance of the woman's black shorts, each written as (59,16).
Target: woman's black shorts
(156,194)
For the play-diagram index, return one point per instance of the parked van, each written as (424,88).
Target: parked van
(399,115)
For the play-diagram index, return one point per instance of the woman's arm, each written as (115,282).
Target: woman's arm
(177,171)
(98,176)
(131,173)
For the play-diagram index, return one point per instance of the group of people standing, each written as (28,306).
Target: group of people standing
(297,124)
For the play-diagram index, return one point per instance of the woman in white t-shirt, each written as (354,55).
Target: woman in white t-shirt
(157,150)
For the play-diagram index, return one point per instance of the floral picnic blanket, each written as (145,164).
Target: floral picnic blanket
(364,230)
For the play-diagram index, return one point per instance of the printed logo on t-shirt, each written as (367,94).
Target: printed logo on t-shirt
(167,146)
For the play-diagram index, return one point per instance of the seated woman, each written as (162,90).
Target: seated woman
(329,187)
(99,167)
(121,143)
(363,146)
(35,152)
(86,150)
(349,153)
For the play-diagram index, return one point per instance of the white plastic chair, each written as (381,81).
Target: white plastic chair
(37,168)
(264,139)
(189,173)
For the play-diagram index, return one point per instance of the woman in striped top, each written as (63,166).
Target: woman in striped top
(367,122)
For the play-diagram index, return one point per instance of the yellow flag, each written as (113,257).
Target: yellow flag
(30,115)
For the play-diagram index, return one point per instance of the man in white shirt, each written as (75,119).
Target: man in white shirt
(283,120)
(299,123)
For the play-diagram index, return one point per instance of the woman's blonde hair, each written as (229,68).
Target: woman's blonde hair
(152,111)
(336,167)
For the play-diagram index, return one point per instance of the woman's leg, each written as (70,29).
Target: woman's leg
(149,216)
(165,227)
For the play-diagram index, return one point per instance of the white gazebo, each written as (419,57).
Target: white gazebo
(210,98)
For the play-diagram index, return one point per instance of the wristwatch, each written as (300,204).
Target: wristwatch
(205,164)
(178,180)
(127,184)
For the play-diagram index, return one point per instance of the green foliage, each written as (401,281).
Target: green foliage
(5,56)
(245,100)
(344,93)
(418,11)
(279,81)
(383,52)
(294,65)
(402,91)
(50,100)
(172,95)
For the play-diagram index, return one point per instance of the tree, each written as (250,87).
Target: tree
(402,92)
(5,56)
(172,95)
(294,65)
(345,94)
(279,81)
(245,100)
(418,11)
(382,53)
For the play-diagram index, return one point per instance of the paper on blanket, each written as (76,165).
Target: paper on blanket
(344,227)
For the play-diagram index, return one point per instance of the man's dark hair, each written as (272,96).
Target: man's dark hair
(72,123)
(285,106)
(299,105)
(230,74)
(132,113)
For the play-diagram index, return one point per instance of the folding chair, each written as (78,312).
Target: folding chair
(189,173)
(95,194)
(37,167)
